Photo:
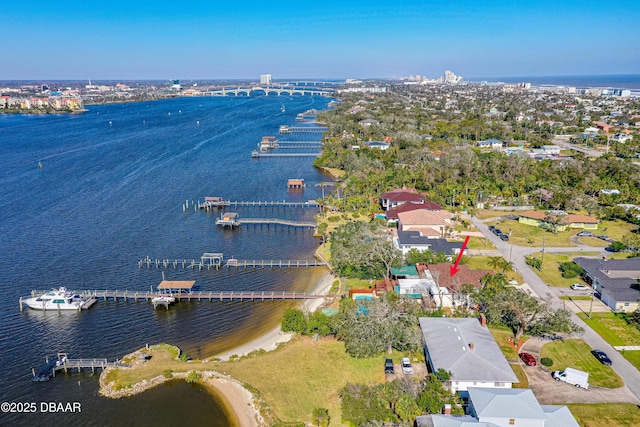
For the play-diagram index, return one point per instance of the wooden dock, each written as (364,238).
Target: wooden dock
(216,262)
(126,295)
(62,362)
(258,154)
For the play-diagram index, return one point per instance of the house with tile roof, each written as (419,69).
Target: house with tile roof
(391,214)
(465,348)
(492,407)
(428,223)
(615,280)
(400,196)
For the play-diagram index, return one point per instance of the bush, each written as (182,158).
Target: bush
(193,377)
(570,270)
(167,373)
(545,361)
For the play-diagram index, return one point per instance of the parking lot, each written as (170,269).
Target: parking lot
(419,370)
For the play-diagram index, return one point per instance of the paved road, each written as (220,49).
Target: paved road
(626,370)
(565,144)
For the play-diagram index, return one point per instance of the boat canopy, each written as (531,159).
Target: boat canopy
(176,285)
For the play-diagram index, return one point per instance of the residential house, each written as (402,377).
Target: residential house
(412,239)
(368,122)
(492,407)
(428,223)
(445,291)
(377,144)
(552,150)
(494,144)
(465,348)
(561,219)
(391,214)
(615,280)
(400,196)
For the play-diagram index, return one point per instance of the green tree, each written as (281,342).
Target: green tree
(294,320)
(321,417)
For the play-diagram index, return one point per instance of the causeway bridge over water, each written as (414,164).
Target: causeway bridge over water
(269,90)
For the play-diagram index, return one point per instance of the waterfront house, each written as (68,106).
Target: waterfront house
(465,348)
(407,240)
(615,280)
(400,196)
(391,214)
(502,408)
(428,223)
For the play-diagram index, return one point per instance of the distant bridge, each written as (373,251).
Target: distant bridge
(268,90)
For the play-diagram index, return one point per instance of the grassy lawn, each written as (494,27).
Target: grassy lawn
(615,229)
(593,241)
(576,353)
(303,375)
(576,298)
(486,214)
(550,272)
(480,243)
(481,262)
(612,328)
(523,381)
(528,235)
(606,414)
(633,357)
(501,335)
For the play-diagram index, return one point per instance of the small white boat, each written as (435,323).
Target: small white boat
(56,299)
(163,299)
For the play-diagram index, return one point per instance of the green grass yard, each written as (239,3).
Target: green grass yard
(481,262)
(606,414)
(612,328)
(576,353)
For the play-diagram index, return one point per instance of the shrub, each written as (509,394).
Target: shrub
(545,361)
(167,373)
(193,377)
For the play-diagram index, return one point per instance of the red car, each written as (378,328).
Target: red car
(528,359)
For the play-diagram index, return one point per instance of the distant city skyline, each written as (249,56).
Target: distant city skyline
(73,39)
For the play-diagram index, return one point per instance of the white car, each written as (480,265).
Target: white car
(579,287)
(406,366)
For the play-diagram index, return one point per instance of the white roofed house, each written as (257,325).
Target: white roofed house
(465,348)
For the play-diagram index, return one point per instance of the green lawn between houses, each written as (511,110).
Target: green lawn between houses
(606,414)
(612,328)
(576,353)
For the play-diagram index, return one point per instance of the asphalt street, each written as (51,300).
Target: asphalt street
(516,254)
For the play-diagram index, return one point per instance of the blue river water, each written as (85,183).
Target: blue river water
(110,192)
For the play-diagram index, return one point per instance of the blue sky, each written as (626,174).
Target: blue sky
(141,39)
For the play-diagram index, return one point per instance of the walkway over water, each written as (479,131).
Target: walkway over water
(62,362)
(257,154)
(209,261)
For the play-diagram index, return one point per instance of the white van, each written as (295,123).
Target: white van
(573,376)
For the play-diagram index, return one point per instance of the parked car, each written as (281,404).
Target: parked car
(406,366)
(573,376)
(504,237)
(528,359)
(388,366)
(602,357)
(497,231)
(585,234)
(579,287)
(491,228)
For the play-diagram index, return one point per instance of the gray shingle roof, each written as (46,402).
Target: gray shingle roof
(621,289)
(505,403)
(448,345)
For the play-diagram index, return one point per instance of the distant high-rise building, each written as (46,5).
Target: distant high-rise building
(265,79)
(451,78)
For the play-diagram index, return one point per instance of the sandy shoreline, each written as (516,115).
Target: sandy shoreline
(273,338)
(239,400)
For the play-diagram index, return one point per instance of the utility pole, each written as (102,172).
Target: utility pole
(593,292)
(542,257)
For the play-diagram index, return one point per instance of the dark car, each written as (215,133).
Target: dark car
(504,237)
(528,359)
(497,232)
(491,228)
(602,357)
(388,366)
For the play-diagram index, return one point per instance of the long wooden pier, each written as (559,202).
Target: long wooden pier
(266,203)
(113,295)
(62,362)
(207,263)
(257,154)
(276,221)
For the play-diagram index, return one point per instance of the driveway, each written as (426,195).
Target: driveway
(626,370)
(548,390)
